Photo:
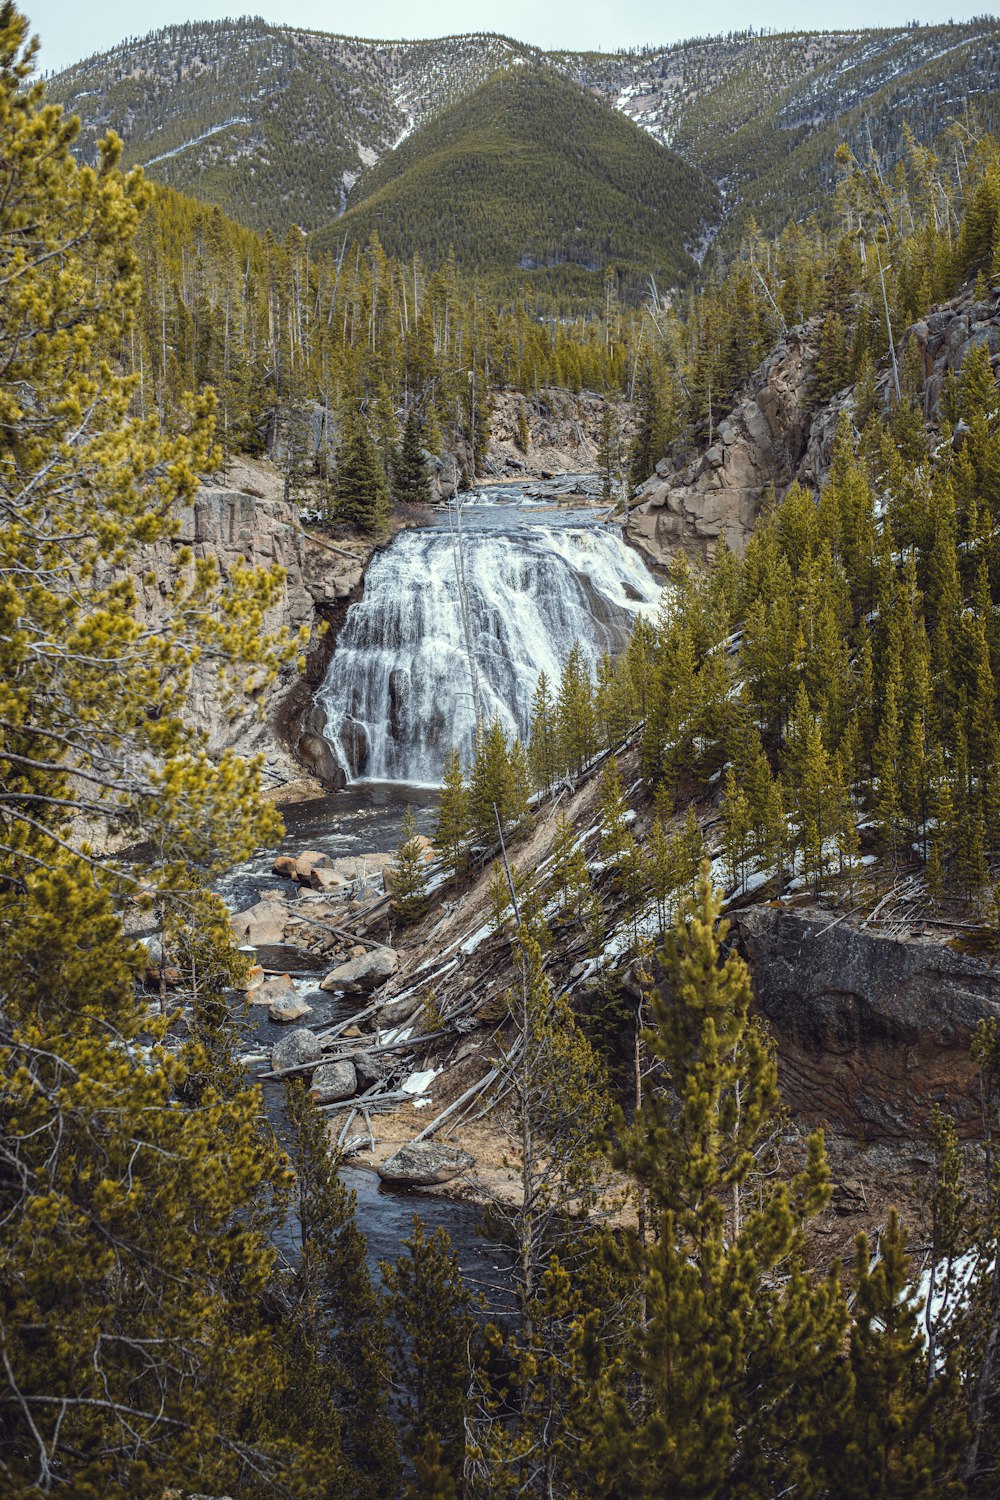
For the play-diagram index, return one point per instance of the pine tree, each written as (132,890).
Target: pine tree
(498,785)
(903,1438)
(411,484)
(408,880)
(110,1132)
(453,826)
(543,743)
(338,1314)
(575,713)
(609,451)
(361,491)
(729,1385)
(432,1331)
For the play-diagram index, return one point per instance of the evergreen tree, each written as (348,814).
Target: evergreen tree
(733,1398)
(452,834)
(903,1437)
(338,1315)
(432,1334)
(543,743)
(361,491)
(411,484)
(408,881)
(138,1182)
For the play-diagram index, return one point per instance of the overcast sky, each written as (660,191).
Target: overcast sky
(72,29)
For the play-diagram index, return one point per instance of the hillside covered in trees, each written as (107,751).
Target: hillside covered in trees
(186,1304)
(528,174)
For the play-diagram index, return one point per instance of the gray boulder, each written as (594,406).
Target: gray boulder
(291,1009)
(425,1164)
(334,1080)
(299,1047)
(359,976)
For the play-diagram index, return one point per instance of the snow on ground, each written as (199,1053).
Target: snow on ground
(476,939)
(418,1083)
(196,140)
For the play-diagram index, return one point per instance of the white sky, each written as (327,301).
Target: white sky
(72,29)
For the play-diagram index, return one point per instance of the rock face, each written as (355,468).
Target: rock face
(773,436)
(247,520)
(359,976)
(871,1032)
(687,507)
(425,1164)
(299,1047)
(563,432)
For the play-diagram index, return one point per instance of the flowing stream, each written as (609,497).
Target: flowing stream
(475,606)
(479,604)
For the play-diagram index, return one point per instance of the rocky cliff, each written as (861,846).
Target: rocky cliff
(871,1031)
(562,429)
(774,435)
(246,519)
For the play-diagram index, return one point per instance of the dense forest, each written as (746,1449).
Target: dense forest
(669,1331)
(531,177)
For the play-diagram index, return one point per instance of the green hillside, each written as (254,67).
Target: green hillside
(529,174)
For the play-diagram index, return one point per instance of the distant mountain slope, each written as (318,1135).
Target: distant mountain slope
(277,125)
(531,174)
(763,115)
(273,124)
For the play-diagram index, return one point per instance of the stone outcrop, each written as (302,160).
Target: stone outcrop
(563,433)
(871,1031)
(773,435)
(246,520)
(688,505)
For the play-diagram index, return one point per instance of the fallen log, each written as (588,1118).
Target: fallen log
(476,1088)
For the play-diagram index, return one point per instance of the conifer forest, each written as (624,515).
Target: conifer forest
(500,767)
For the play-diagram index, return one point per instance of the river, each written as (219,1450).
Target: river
(470,609)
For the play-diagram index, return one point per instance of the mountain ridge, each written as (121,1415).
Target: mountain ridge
(278,124)
(530,175)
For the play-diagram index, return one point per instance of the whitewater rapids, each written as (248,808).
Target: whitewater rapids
(398,691)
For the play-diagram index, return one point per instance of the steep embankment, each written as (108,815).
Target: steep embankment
(775,434)
(246,520)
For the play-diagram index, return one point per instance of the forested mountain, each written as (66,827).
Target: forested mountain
(277,125)
(273,124)
(530,174)
(764,114)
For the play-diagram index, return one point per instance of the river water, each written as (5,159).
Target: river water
(475,606)
(459,619)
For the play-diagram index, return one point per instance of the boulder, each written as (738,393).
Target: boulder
(279,987)
(261,925)
(425,1164)
(359,976)
(318,756)
(292,1009)
(307,862)
(328,880)
(284,864)
(333,1081)
(370,1068)
(299,1047)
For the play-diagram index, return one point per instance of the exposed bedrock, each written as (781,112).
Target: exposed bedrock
(774,434)
(871,1031)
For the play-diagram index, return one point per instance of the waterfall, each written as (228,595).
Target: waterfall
(399,691)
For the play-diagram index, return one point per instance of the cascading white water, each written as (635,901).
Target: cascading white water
(398,692)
